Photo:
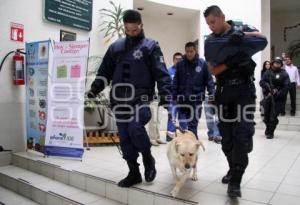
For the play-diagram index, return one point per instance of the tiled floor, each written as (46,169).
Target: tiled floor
(272,177)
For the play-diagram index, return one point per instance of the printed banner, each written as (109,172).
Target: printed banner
(66,87)
(37,62)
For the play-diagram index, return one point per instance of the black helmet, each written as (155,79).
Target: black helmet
(277,60)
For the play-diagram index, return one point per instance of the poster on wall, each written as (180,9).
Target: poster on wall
(37,63)
(66,87)
(73,13)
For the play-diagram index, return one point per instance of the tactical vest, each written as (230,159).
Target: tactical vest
(132,76)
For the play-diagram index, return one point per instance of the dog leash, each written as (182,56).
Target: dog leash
(117,145)
(180,129)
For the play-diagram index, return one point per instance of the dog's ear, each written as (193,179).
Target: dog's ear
(176,146)
(199,143)
(180,129)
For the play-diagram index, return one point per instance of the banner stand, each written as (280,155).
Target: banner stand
(66,89)
(38,57)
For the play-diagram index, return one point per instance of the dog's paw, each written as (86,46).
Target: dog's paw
(174,192)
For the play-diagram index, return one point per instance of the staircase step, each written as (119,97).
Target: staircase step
(10,197)
(86,179)
(44,190)
(5,158)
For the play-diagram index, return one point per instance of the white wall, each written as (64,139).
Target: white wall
(266,30)
(279,20)
(194,24)
(29,13)
(172,34)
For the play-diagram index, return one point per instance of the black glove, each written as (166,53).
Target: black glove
(163,102)
(91,95)
(211,99)
(236,38)
(238,58)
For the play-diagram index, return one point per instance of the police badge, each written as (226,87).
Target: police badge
(198,69)
(137,54)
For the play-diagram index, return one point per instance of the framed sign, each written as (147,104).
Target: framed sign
(67,36)
(74,13)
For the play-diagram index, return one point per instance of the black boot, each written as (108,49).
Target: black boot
(134,175)
(226,179)
(149,164)
(270,134)
(234,186)
(267,131)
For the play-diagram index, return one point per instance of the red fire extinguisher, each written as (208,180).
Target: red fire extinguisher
(18,69)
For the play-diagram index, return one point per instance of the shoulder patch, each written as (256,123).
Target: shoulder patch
(161,59)
(249,28)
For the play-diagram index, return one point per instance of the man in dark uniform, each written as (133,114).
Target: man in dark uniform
(191,79)
(235,97)
(275,83)
(133,65)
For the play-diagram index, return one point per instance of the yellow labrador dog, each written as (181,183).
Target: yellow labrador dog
(183,156)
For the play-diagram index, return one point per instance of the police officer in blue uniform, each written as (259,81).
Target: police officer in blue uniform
(235,97)
(191,79)
(132,65)
(173,111)
(275,83)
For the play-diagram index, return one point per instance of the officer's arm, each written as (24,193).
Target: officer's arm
(255,33)
(209,81)
(216,70)
(284,90)
(251,31)
(175,83)
(264,82)
(161,74)
(104,74)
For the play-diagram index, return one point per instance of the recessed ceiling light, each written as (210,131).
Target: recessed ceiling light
(140,8)
(170,13)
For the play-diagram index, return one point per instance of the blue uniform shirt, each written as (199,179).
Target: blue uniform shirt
(191,80)
(172,71)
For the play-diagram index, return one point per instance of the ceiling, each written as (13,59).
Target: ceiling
(161,10)
(285,4)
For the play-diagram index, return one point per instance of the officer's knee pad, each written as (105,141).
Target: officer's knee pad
(227,149)
(143,115)
(248,146)
(244,135)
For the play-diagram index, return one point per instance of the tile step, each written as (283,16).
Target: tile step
(43,190)
(10,197)
(5,158)
(84,182)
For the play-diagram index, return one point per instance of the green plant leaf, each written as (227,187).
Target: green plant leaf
(112,25)
(113,4)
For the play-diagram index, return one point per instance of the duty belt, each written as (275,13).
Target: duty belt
(236,81)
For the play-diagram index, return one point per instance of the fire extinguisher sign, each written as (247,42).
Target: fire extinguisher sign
(16,32)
